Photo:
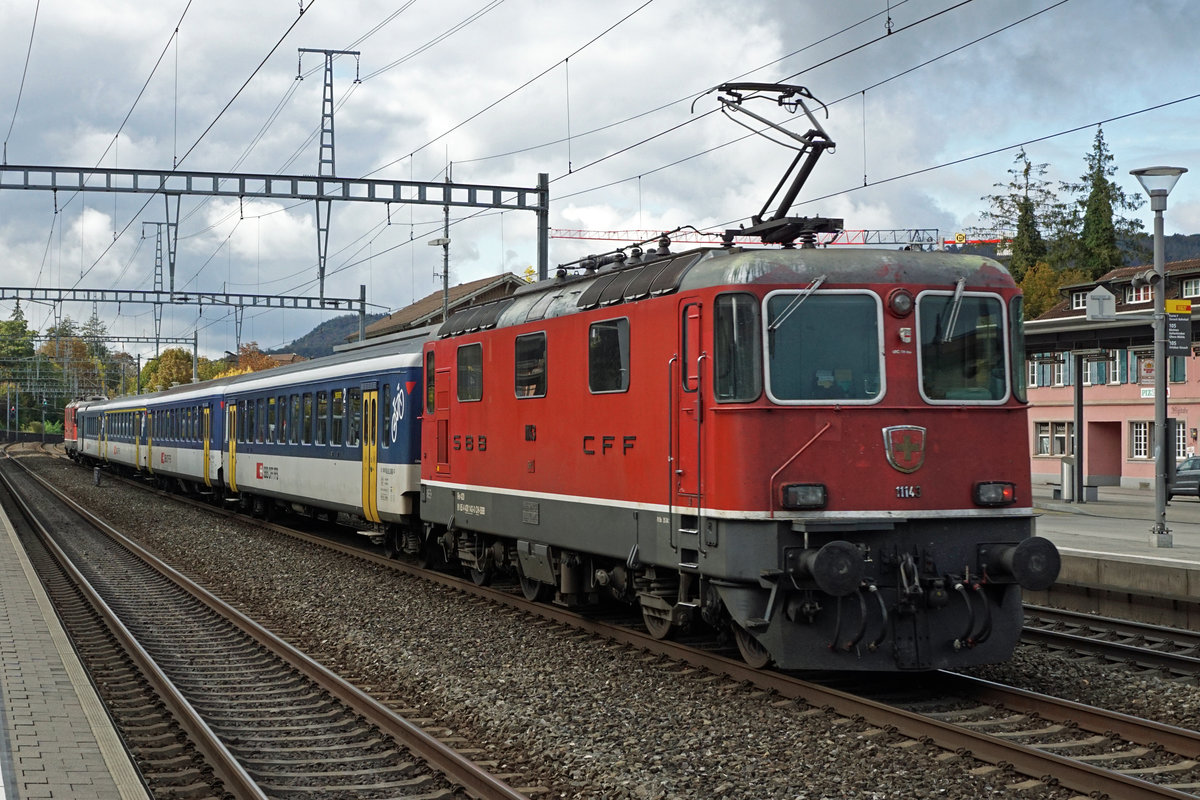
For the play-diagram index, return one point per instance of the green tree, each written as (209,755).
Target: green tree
(1096,237)
(1022,205)
(16,342)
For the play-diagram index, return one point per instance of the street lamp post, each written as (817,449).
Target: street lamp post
(1158,182)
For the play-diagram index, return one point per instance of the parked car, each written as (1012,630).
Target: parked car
(1187,479)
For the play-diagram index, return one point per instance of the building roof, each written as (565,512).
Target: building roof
(428,309)
(1115,281)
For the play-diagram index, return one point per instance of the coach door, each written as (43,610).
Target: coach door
(687,414)
(370,451)
(231,423)
(206,434)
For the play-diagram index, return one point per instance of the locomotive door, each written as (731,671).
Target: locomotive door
(231,427)
(438,404)
(688,411)
(370,451)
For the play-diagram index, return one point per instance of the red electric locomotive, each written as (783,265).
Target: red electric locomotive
(821,452)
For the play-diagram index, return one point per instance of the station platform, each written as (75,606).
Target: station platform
(1118,524)
(56,740)
(1112,564)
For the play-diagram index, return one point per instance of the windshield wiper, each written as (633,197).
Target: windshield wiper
(796,301)
(954,309)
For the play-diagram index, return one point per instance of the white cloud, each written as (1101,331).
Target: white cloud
(1058,71)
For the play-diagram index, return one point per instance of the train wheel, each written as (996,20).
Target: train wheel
(753,653)
(534,590)
(480,577)
(657,625)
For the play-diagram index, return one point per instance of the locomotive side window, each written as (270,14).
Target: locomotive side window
(823,346)
(1016,344)
(470,372)
(608,356)
(530,379)
(737,349)
(962,351)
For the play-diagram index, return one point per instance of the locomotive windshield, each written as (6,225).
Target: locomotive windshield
(962,347)
(822,346)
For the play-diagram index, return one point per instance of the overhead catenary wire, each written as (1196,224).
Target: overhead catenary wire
(24,73)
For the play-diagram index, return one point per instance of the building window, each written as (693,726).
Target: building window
(1057,372)
(1139,440)
(1181,439)
(1054,438)
(1079,301)
(1191,287)
(1139,294)
(1032,370)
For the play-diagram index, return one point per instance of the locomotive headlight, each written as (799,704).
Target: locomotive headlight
(900,302)
(804,495)
(995,493)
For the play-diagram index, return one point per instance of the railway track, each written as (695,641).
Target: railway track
(261,719)
(1035,740)
(1136,644)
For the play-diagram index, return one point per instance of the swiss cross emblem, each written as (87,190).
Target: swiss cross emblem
(905,447)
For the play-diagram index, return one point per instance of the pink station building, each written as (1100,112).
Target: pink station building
(1114,362)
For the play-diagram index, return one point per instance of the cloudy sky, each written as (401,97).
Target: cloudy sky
(598,95)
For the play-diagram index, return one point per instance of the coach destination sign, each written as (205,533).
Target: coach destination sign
(1179,327)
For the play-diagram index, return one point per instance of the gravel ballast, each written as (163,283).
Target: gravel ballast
(586,718)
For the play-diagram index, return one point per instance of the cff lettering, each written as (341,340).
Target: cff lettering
(607,443)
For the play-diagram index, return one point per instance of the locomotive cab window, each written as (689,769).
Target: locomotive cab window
(608,356)
(470,372)
(530,378)
(823,347)
(737,349)
(962,352)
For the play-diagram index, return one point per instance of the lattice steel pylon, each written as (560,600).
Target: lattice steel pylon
(326,167)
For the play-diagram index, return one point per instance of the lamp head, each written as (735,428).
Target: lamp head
(1158,183)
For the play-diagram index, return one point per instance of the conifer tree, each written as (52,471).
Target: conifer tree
(1095,237)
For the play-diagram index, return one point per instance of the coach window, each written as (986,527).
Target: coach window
(294,420)
(322,423)
(308,418)
(470,372)
(737,349)
(337,433)
(530,359)
(962,347)
(355,416)
(823,346)
(272,420)
(385,413)
(608,356)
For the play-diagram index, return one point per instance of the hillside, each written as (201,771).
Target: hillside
(321,339)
